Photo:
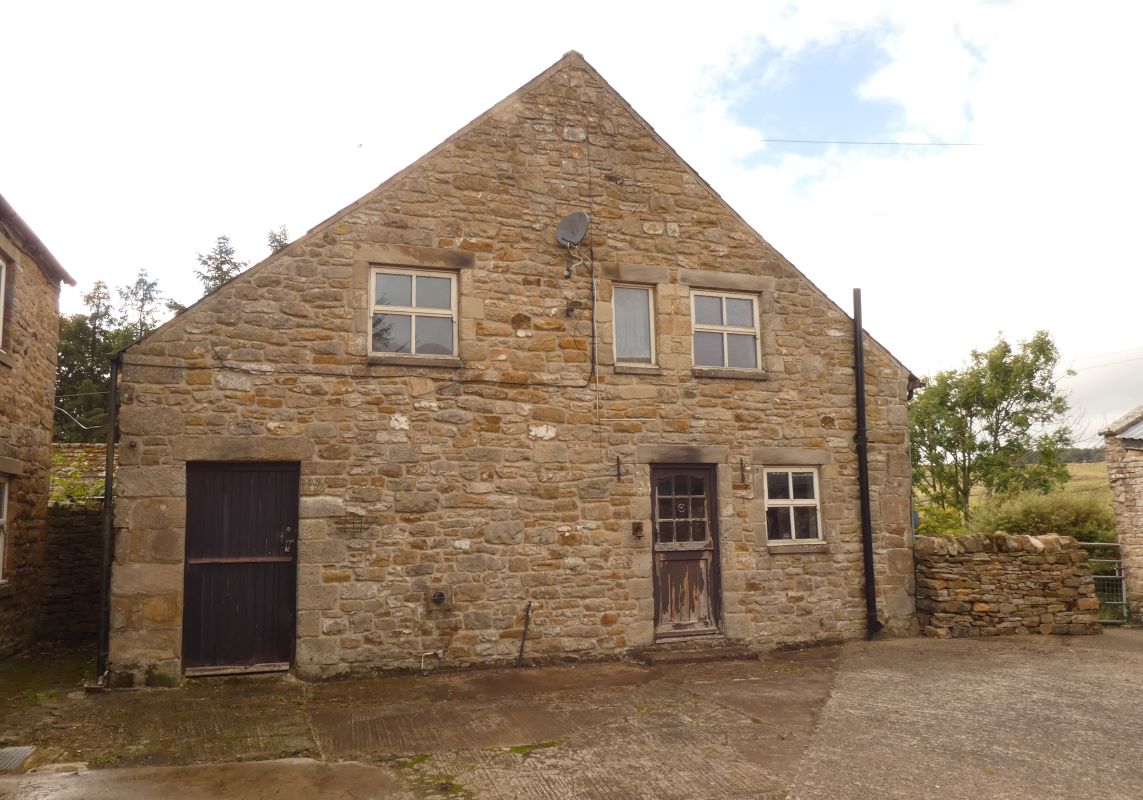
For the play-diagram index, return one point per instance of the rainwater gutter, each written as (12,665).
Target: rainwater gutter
(873,624)
(108,521)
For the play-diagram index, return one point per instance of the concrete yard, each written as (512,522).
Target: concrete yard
(1019,717)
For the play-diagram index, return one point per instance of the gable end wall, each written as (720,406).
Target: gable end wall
(27,391)
(496,479)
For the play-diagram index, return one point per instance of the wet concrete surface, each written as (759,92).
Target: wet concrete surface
(1022,717)
(286,779)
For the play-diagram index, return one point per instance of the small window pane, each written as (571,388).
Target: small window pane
(803,485)
(394,290)
(665,508)
(664,486)
(698,508)
(682,531)
(434,336)
(434,292)
(739,312)
(740,351)
(665,532)
(632,324)
(777,487)
(391,333)
(708,310)
(682,486)
(778,523)
(708,349)
(805,522)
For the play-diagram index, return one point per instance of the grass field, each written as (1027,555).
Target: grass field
(1088,478)
(1083,479)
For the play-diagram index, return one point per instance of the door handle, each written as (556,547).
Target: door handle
(287,545)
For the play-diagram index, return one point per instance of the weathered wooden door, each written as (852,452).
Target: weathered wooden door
(685,542)
(241,576)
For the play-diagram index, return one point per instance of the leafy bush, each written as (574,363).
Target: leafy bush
(1086,517)
(937,521)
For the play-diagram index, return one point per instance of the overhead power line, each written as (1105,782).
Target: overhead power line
(879,144)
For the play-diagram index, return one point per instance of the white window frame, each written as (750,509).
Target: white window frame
(791,503)
(3,295)
(724,329)
(650,290)
(4,486)
(413,311)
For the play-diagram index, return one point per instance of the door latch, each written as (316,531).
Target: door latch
(286,545)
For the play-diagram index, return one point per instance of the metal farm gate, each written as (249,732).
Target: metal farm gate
(1107,570)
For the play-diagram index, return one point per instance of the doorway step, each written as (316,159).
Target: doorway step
(693,650)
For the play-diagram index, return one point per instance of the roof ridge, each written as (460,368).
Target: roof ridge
(1123,423)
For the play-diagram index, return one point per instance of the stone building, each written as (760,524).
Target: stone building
(1123,445)
(431,423)
(30,278)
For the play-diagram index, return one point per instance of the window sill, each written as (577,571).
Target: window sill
(414,361)
(735,374)
(7,589)
(7,360)
(638,369)
(793,547)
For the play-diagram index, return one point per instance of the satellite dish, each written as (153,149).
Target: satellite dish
(572,229)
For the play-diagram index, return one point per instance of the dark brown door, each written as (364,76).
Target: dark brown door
(685,544)
(241,584)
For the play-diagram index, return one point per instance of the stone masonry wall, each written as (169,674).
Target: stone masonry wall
(27,390)
(993,584)
(494,478)
(1125,474)
(69,587)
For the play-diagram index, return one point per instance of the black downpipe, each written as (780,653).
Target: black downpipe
(108,521)
(873,625)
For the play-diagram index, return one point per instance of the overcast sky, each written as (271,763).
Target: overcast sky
(134,134)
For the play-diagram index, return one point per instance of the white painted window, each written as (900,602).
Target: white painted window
(3,296)
(793,508)
(3,522)
(725,330)
(413,312)
(634,316)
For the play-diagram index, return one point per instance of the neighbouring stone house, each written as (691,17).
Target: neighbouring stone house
(30,278)
(1123,445)
(429,424)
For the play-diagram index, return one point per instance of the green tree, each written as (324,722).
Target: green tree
(277,239)
(86,344)
(995,424)
(219,265)
(141,302)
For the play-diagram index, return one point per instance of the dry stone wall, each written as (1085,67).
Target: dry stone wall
(1125,474)
(519,472)
(994,584)
(69,586)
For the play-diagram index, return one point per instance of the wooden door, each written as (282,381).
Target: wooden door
(241,574)
(685,542)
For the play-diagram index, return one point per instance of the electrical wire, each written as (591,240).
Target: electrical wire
(878,144)
(77,422)
(82,394)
